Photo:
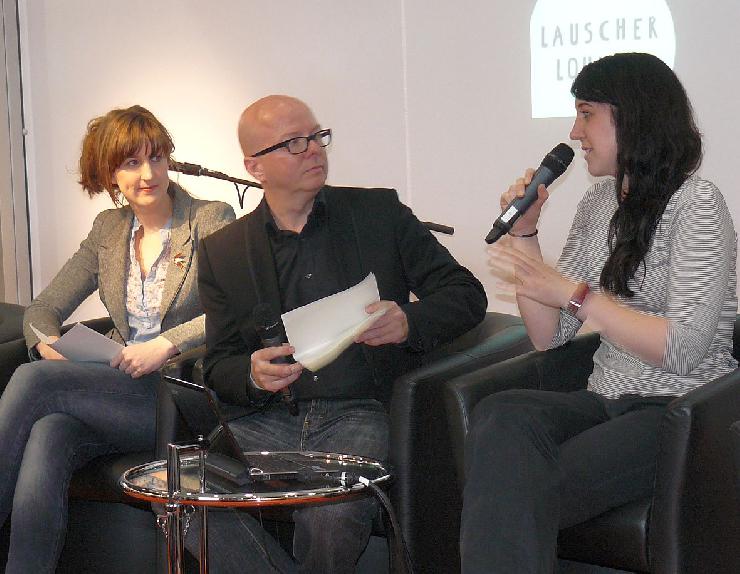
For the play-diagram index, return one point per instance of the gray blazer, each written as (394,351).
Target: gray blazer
(101,263)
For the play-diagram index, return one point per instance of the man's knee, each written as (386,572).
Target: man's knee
(326,517)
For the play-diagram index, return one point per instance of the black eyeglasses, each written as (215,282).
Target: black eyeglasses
(299,144)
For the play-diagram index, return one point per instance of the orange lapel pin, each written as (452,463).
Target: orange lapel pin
(179,260)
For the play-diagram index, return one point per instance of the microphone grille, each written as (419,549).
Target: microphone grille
(264,318)
(558,160)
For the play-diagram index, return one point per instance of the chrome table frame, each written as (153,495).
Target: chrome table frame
(176,499)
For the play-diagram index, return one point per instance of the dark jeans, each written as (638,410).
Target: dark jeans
(539,461)
(55,416)
(328,538)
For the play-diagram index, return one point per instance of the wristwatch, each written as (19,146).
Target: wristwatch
(577,298)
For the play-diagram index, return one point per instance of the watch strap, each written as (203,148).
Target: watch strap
(577,298)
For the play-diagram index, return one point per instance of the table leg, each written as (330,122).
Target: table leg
(203,511)
(175,545)
(203,539)
(175,534)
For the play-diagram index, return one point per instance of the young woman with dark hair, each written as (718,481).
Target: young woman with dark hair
(650,263)
(659,147)
(56,415)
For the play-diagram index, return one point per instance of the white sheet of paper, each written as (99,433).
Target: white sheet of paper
(81,343)
(321,330)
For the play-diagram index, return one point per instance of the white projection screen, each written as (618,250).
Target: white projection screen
(565,35)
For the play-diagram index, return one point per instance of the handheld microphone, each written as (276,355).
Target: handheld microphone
(551,168)
(272,334)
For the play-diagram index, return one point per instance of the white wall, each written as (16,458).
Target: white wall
(429,97)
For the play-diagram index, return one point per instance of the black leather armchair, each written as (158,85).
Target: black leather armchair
(735,430)
(424,492)
(12,347)
(691,524)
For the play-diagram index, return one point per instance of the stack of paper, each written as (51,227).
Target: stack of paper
(321,330)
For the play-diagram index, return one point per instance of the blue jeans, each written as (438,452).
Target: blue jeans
(328,538)
(55,416)
(539,461)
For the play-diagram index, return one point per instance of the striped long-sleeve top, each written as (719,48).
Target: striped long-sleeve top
(689,278)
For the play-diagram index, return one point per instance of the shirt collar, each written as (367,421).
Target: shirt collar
(316,218)
(164,233)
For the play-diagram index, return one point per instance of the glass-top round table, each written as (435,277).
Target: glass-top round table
(271,478)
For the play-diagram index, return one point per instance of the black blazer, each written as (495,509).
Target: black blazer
(371,231)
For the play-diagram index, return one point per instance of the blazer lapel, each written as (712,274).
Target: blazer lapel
(181,249)
(260,264)
(344,239)
(113,263)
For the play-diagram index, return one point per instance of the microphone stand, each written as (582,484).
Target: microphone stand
(195,169)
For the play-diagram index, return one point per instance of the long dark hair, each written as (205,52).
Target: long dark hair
(659,147)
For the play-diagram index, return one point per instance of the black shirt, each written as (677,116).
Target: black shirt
(307,272)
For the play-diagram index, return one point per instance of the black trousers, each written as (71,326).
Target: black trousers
(538,461)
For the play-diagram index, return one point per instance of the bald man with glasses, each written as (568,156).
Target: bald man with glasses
(304,241)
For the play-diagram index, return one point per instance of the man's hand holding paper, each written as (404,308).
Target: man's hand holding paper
(392,326)
(321,330)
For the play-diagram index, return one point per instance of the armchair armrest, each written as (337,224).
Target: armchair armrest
(173,399)
(735,430)
(11,322)
(423,490)
(695,521)
(12,355)
(187,365)
(565,368)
